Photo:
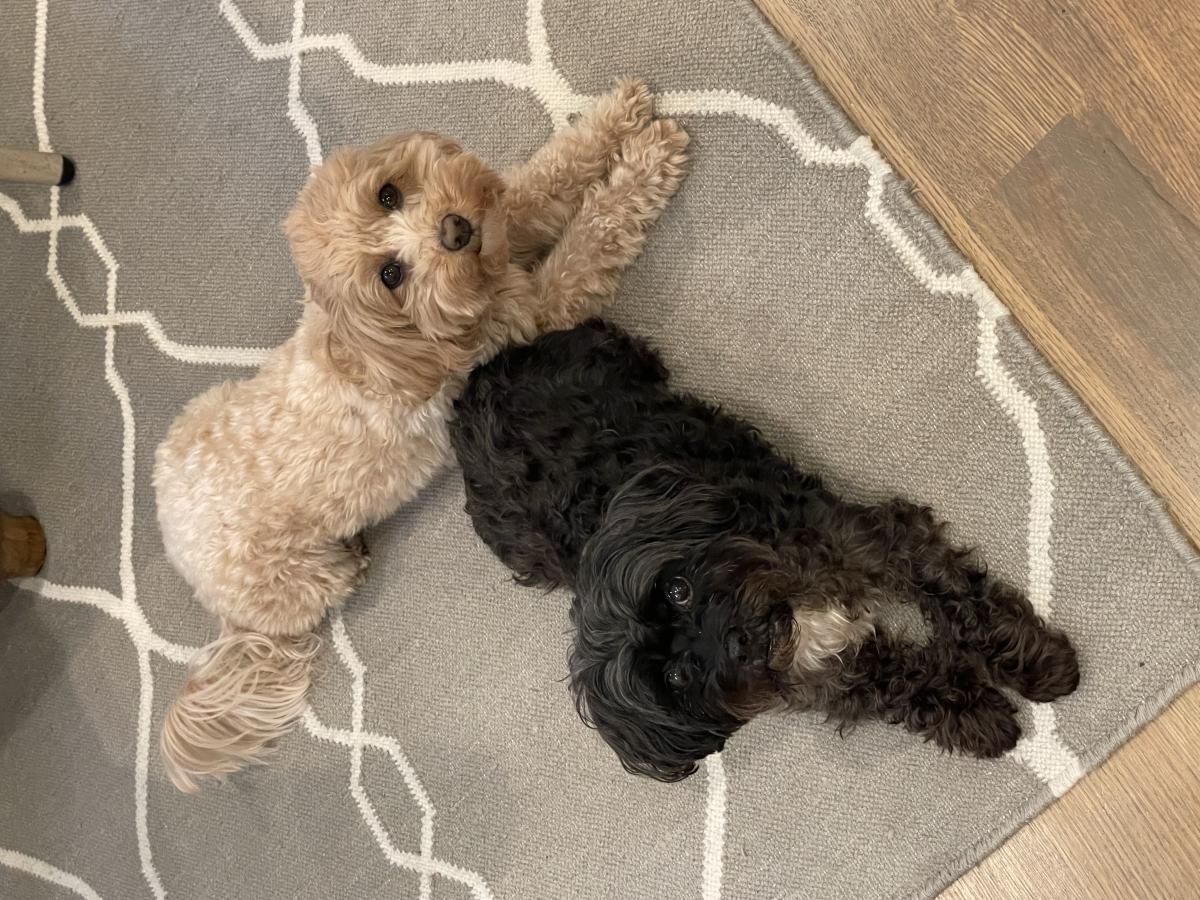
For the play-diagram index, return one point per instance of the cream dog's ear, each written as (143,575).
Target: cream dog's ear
(322,201)
(306,244)
(316,263)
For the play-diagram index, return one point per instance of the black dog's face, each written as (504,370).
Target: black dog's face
(681,625)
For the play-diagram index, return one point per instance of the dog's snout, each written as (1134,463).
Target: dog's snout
(455,232)
(737,645)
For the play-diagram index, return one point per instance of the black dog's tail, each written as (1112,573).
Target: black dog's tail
(609,345)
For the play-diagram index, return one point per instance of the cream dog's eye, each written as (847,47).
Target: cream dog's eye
(390,196)
(392,274)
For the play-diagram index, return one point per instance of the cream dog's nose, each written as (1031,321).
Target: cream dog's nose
(455,232)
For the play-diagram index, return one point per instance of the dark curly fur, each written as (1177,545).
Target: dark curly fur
(713,580)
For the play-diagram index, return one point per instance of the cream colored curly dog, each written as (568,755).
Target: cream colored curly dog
(419,263)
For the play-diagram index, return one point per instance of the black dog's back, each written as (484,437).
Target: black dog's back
(713,580)
(525,435)
(547,432)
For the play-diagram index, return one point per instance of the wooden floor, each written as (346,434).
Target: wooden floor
(1058,142)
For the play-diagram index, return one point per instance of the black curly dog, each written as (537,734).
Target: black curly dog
(713,580)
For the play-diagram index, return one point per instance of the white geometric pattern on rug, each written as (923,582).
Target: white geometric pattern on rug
(1043,751)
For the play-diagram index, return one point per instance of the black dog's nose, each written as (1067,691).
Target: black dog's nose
(737,645)
(455,232)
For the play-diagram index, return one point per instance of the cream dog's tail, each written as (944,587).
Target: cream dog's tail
(244,691)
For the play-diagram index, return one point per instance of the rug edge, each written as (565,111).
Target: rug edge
(1142,715)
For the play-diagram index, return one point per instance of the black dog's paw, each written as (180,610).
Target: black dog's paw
(1051,671)
(1041,664)
(972,718)
(985,729)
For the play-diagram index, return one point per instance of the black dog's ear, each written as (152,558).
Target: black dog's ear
(649,739)
(702,745)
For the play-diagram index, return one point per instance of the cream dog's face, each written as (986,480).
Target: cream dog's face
(401,244)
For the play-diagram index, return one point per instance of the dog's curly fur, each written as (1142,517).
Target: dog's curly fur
(713,580)
(264,486)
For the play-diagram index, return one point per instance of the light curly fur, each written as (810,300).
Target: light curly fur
(820,635)
(264,485)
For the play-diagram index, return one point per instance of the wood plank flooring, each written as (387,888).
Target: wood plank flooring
(1058,143)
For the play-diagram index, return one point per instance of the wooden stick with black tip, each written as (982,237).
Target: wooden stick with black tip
(31,167)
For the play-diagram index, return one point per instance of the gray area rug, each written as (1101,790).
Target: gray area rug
(791,279)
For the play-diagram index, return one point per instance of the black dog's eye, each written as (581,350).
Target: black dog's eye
(678,592)
(392,274)
(677,676)
(390,196)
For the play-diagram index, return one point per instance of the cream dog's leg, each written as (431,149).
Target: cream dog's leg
(544,194)
(607,233)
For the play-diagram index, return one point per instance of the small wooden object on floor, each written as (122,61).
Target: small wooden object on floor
(22,546)
(31,167)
